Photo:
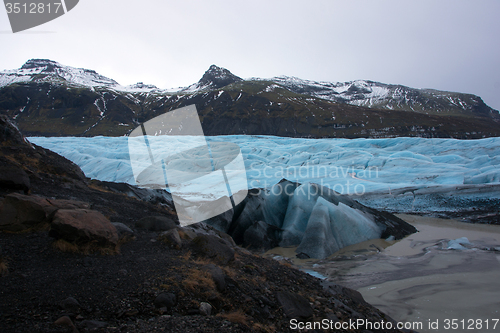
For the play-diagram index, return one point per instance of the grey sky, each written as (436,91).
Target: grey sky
(442,44)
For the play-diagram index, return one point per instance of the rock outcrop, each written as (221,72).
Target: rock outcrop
(81,226)
(156,223)
(213,247)
(14,179)
(20,212)
(9,133)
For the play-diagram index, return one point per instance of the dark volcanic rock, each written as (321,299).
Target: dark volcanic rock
(66,321)
(93,324)
(123,231)
(171,238)
(14,178)
(260,236)
(336,289)
(149,195)
(9,133)
(217,275)
(83,226)
(205,309)
(70,304)
(167,300)
(20,212)
(294,305)
(156,223)
(214,248)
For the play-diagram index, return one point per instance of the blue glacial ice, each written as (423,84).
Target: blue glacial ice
(397,174)
(314,218)
(458,244)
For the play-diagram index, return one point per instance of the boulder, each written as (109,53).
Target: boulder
(294,306)
(68,204)
(167,300)
(222,221)
(217,275)
(260,236)
(20,212)
(171,238)
(205,309)
(70,304)
(93,324)
(206,229)
(123,231)
(213,247)
(156,223)
(186,233)
(83,226)
(66,322)
(336,289)
(13,178)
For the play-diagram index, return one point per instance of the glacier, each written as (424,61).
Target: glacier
(356,176)
(348,166)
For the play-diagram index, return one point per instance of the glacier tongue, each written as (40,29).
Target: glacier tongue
(331,227)
(319,240)
(316,219)
(300,207)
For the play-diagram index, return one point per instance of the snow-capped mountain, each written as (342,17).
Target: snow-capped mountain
(387,96)
(214,78)
(48,98)
(43,70)
(139,87)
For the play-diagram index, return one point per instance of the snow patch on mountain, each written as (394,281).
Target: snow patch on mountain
(43,70)
(378,95)
(140,87)
(359,92)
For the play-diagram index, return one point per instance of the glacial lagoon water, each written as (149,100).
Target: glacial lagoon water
(420,279)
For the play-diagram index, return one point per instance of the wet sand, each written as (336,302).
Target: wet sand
(418,279)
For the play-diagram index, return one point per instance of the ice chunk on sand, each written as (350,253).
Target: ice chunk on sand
(458,244)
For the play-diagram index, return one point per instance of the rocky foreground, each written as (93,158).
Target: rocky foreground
(80,255)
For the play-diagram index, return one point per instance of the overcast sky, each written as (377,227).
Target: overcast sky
(442,44)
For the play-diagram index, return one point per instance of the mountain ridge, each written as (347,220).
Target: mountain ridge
(50,99)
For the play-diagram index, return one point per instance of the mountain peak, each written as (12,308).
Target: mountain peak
(141,86)
(217,77)
(43,70)
(49,65)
